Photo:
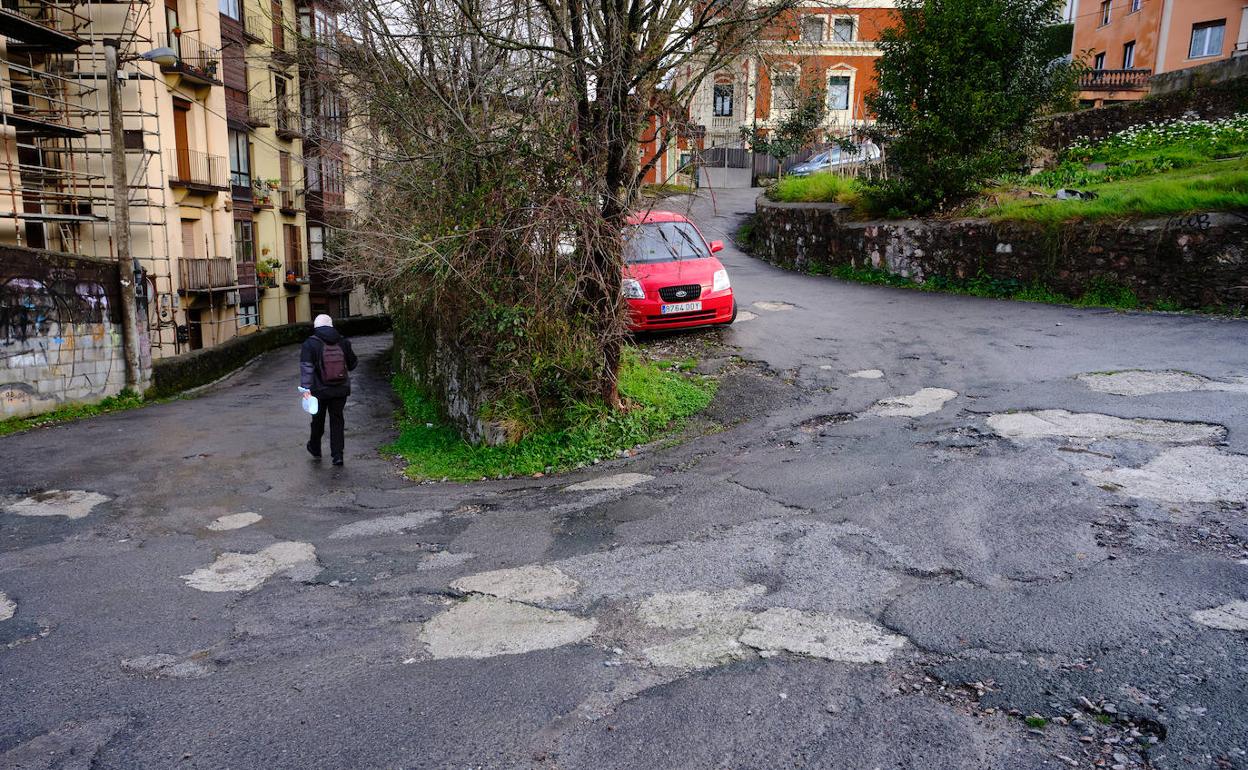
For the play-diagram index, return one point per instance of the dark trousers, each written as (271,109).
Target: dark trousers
(332,407)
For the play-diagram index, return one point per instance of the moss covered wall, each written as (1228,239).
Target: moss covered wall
(1195,261)
(171,376)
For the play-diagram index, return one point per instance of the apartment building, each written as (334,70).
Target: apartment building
(1125,42)
(260,53)
(59,181)
(829,50)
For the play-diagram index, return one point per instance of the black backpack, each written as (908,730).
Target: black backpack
(333,364)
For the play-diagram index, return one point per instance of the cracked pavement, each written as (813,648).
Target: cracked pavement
(933,532)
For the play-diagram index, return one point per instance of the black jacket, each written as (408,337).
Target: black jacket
(310,363)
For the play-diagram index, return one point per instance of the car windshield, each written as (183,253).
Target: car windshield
(663,242)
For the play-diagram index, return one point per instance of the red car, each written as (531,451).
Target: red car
(671,279)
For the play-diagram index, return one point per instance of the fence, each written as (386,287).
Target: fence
(192,167)
(203,274)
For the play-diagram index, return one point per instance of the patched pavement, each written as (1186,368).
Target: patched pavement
(926,531)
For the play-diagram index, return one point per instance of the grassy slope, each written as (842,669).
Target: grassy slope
(659,395)
(117,403)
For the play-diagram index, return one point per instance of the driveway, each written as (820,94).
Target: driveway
(930,532)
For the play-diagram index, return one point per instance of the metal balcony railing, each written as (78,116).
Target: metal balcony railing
(296,271)
(198,274)
(196,60)
(1115,80)
(192,168)
(42,22)
(290,198)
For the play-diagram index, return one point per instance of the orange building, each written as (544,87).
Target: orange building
(1125,42)
(818,48)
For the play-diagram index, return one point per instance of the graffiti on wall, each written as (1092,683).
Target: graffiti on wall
(58,336)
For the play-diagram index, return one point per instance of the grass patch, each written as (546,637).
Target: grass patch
(1035,722)
(1209,186)
(744,237)
(127,399)
(660,397)
(816,188)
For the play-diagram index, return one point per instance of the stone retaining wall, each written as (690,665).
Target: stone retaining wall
(1187,93)
(1195,261)
(174,375)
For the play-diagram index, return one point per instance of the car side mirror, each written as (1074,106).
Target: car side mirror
(717,246)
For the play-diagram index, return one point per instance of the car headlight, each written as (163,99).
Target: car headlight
(720,282)
(632,289)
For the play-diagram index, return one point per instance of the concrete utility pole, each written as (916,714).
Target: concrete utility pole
(121,204)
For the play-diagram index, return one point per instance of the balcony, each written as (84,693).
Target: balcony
(296,274)
(206,275)
(42,25)
(290,200)
(253,28)
(197,171)
(725,122)
(1115,80)
(197,63)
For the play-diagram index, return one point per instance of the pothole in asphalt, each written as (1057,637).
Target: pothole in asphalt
(384,525)
(532,583)
(820,635)
(164,665)
(773,307)
(816,424)
(745,315)
(234,521)
(615,481)
(866,374)
(1198,474)
(443,560)
(8,607)
(1228,617)
(917,404)
(486,626)
(72,504)
(1049,423)
(1138,382)
(244,571)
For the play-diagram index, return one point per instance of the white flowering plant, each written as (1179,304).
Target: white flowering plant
(1193,138)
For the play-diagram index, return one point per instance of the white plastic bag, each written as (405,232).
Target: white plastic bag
(310,404)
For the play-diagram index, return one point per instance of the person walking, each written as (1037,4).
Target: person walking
(324,366)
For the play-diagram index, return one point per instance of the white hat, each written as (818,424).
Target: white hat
(322,320)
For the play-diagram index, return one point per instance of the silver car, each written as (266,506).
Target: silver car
(835,157)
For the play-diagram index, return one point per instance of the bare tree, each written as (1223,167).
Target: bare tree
(502,165)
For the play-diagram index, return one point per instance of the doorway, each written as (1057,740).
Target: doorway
(291,310)
(194,329)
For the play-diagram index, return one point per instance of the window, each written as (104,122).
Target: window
(1105,6)
(1136,5)
(244,242)
(783,91)
(1098,63)
(812,29)
(240,159)
(722,100)
(316,243)
(248,315)
(843,30)
(1128,55)
(230,8)
(1207,39)
(663,242)
(312,173)
(838,92)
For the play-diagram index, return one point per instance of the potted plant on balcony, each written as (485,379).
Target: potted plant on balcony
(261,195)
(267,272)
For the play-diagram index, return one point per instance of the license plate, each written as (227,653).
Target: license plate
(681,307)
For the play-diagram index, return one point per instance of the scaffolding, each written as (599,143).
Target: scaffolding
(57,188)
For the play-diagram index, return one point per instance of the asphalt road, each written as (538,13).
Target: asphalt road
(967,578)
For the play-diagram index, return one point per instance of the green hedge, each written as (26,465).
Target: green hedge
(171,376)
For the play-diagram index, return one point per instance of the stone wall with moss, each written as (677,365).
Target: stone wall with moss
(174,375)
(1197,261)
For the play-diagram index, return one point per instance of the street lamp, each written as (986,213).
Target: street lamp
(127,269)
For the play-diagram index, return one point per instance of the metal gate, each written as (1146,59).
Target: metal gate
(721,168)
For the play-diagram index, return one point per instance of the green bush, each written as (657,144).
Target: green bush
(959,84)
